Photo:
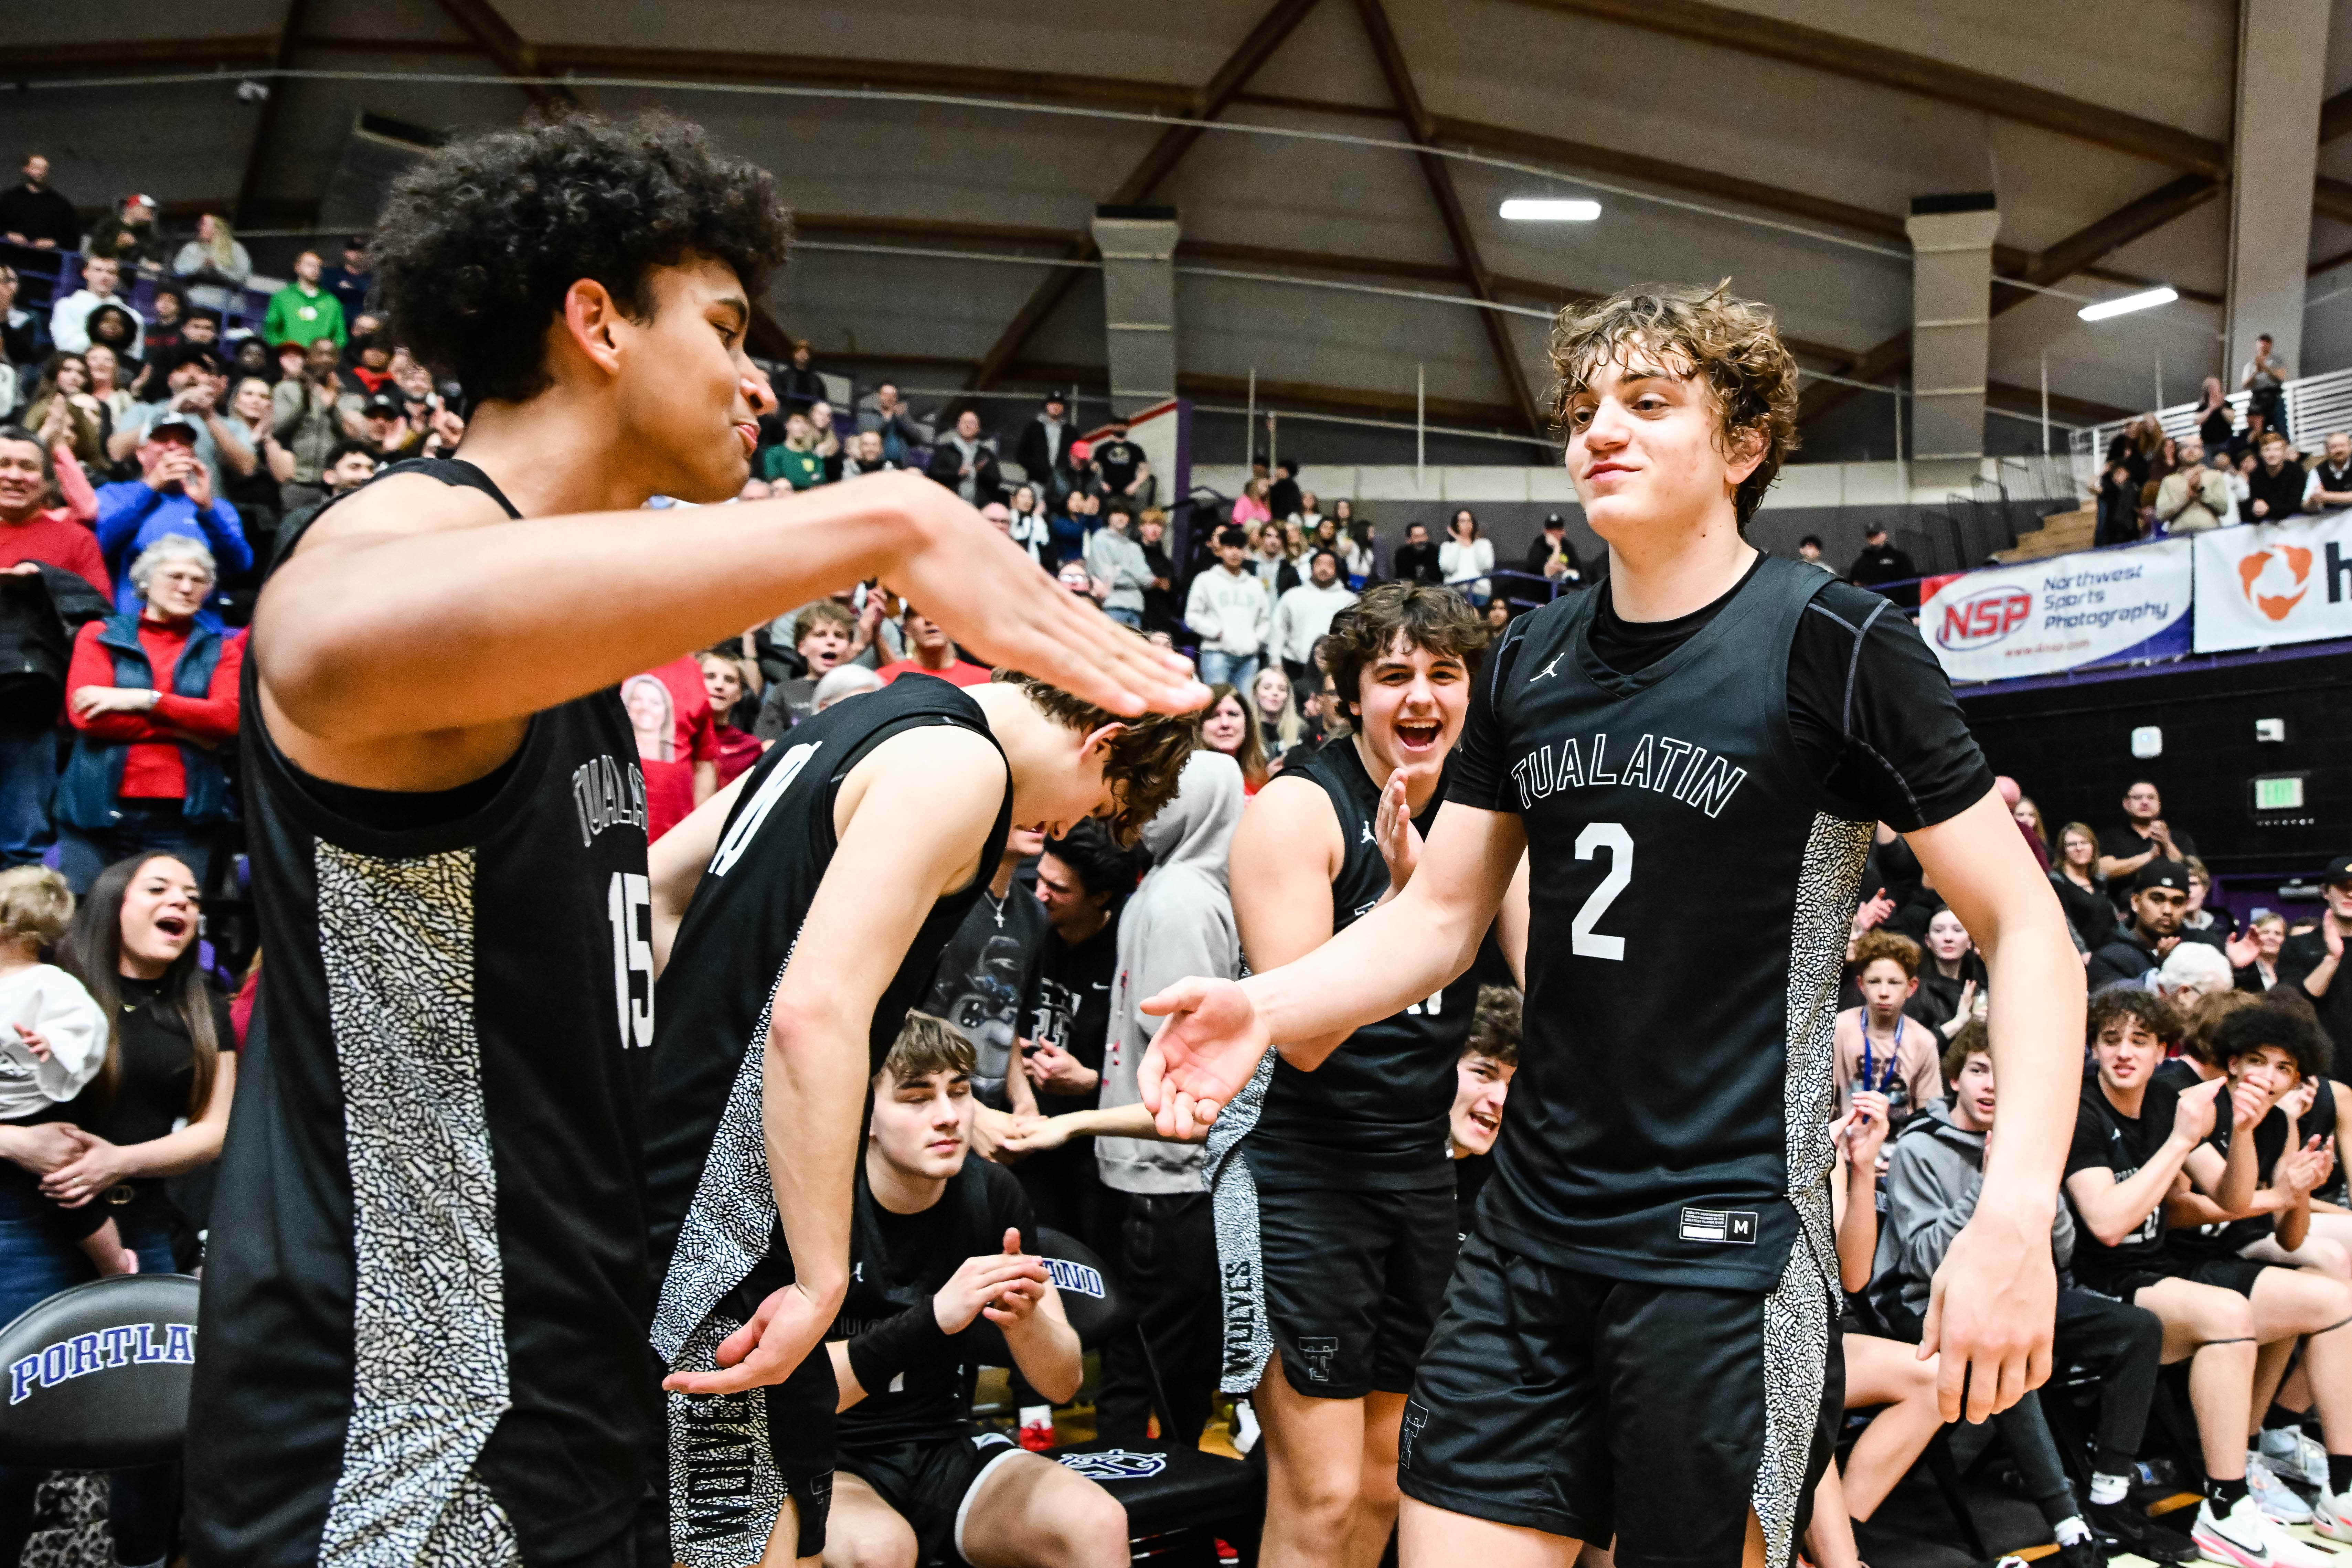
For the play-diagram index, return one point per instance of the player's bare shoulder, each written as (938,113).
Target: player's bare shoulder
(396,506)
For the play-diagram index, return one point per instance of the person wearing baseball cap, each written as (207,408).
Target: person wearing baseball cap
(2313,961)
(2159,896)
(128,234)
(1552,555)
(350,281)
(174,493)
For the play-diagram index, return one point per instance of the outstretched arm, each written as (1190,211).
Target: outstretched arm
(1401,952)
(379,628)
(919,810)
(1991,1306)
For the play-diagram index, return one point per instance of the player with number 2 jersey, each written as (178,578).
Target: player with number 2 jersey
(1638,1340)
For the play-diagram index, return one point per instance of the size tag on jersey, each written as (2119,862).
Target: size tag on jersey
(1735,1228)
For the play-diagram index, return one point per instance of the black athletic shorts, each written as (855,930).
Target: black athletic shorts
(1591,1407)
(930,1482)
(730,1459)
(2237,1274)
(1353,1283)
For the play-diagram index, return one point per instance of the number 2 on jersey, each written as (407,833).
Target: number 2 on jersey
(1583,941)
(630,904)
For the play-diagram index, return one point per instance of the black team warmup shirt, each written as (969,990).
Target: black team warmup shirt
(1697,797)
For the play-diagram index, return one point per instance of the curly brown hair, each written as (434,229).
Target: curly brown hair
(1873,946)
(1495,1026)
(1147,756)
(2152,1012)
(1734,345)
(1423,614)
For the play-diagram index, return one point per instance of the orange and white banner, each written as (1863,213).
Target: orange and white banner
(2265,583)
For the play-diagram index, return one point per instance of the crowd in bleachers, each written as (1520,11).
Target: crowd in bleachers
(152,456)
(2238,465)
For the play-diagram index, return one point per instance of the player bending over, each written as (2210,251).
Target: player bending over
(809,901)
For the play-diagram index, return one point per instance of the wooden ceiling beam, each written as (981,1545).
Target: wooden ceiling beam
(2136,218)
(480,20)
(1921,75)
(1156,165)
(1439,175)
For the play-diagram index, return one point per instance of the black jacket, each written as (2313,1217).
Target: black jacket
(1054,476)
(2125,957)
(797,388)
(39,618)
(1418,564)
(947,467)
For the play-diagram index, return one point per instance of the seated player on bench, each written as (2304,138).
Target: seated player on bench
(936,1247)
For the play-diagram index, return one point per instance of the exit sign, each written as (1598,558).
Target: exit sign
(2281,794)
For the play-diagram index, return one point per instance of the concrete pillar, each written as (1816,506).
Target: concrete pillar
(2274,151)
(1951,328)
(1139,273)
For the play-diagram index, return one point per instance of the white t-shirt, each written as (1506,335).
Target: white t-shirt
(53,1004)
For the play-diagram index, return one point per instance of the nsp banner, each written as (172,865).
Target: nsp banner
(2101,606)
(2274,582)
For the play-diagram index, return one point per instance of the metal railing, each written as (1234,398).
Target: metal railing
(2314,405)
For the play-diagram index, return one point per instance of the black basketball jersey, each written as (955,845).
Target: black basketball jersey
(900,1261)
(1372,1115)
(1688,912)
(2105,1139)
(718,1244)
(425,1300)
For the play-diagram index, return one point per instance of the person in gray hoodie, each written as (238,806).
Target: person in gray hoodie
(1179,922)
(1933,1178)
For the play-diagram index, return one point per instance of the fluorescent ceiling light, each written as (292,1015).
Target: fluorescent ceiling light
(1530,210)
(2146,299)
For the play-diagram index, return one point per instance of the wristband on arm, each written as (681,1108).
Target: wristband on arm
(896,1345)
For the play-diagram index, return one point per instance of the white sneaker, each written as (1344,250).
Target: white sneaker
(2286,1551)
(2334,1516)
(2238,1539)
(2277,1500)
(2296,1455)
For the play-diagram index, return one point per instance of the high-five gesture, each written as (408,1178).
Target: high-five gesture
(1207,1050)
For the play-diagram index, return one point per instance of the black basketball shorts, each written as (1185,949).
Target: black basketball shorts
(1353,1283)
(930,1482)
(1658,1415)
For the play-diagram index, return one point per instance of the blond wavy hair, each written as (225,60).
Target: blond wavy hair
(1731,344)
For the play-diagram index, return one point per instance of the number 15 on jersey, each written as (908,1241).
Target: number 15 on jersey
(629,902)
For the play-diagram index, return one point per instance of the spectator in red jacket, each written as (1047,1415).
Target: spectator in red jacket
(152,699)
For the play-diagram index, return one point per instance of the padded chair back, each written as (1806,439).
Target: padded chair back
(1089,1300)
(98,1377)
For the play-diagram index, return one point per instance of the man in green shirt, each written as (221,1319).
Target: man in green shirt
(302,312)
